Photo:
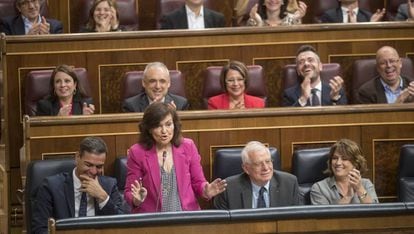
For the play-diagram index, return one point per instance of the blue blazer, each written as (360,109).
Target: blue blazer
(55,198)
(178,19)
(335,16)
(292,94)
(139,102)
(14,25)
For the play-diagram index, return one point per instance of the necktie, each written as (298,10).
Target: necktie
(315,98)
(83,205)
(260,200)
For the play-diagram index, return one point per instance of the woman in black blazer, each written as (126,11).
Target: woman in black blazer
(67,96)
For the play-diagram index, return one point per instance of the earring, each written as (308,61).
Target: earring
(74,91)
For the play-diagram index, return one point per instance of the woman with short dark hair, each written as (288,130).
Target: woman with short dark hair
(164,170)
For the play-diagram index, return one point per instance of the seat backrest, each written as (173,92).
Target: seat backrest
(37,87)
(291,78)
(256,85)
(406,174)
(164,7)
(132,83)
(365,70)
(7,8)
(308,166)
(228,161)
(36,172)
(392,8)
(320,6)
(127,9)
(121,172)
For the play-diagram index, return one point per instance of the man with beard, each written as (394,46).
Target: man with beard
(389,86)
(193,15)
(312,91)
(83,192)
(348,11)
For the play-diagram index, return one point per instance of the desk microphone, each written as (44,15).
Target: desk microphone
(164,156)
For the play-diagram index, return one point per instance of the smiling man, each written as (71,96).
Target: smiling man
(193,15)
(156,83)
(83,192)
(312,91)
(29,21)
(259,186)
(389,86)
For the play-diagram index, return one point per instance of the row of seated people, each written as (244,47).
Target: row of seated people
(233,86)
(162,173)
(121,15)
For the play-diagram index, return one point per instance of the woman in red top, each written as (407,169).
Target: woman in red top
(234,78)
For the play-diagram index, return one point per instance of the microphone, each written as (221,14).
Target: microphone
(164,156)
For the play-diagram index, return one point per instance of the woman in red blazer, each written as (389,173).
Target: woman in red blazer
(234,78)
(164,169)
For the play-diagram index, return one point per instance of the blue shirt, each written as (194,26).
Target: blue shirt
(390,94)
(255,190)
(28,24)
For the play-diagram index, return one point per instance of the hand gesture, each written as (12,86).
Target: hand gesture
(336,85)
(114,19)
(214,188)
(406,93)
(88,109)
(65,110)
(306,89)
(139,193)
(355,179)
(377,16)
(172,105)
(301,12)
(92,187)
(44,26)
(255,16)
(352,18)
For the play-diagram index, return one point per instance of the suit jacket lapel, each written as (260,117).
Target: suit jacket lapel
(142,103)
(183,21)
(274,192)
(69,194)
(325,98)
(19,26)
(380,91)
(179,164)
(207,18)
(246,193)
(152,163)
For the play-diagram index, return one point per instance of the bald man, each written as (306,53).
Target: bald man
(389,86)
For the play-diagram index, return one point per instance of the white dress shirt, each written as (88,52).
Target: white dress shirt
(195,21)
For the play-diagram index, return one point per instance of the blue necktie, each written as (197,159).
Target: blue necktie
(260,200)
(315,98)
(83,205)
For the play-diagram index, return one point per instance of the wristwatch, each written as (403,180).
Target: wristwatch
(363,195)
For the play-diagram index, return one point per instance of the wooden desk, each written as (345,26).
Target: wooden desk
(379,129)
(108,56)
(388,218)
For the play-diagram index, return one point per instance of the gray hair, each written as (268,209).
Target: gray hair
(156,65)
(253,146)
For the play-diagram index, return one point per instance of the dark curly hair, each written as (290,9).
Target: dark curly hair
(349,151)
(262,9)
(153,115)
(79,92)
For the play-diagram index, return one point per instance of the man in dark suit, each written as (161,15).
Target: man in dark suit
(193,15)
(349,12)
(29,21)
(389,86)
(405,11)
(156,83)
(259,186)
(83,192)
(312,91)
